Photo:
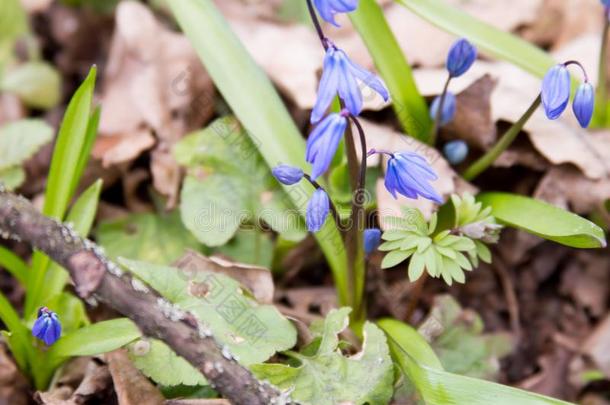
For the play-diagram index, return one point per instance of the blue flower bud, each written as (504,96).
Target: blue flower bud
(317,210)
(461,57)
(455,151)
(583,104)
(47,327)
(287,175)
(372,239)
(555,91)
(449,107)
(323,142)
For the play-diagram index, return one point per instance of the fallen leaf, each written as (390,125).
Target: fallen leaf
(197,402)
(154,83)
(131,386)
(125,147)
(13,385)
(586,281)
(597,346)
(257,279)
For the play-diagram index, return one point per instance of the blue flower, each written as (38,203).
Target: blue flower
(323,142)
(328,8)
(449,107)
(455,151)
(287,175)
(461,57)
(317,210)
(47,327)
(340,76)
(555,91)
(409,174)
(372,239)
(606,3)
(583,104)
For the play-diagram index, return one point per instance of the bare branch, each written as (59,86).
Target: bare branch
(96,276)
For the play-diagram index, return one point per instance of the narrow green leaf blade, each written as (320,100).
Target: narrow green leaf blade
(409,106)
(496,43)
(437,387)
(544,220)
(14,265)
(257,105)
(96,338)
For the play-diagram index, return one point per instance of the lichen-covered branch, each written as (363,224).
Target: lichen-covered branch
(96,276)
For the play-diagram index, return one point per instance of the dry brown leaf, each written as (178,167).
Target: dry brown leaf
(11,108)
(13,386)
(568,188)
(473,122)
(597,346)
(125,147)
(131,386)
(256,279)
(385,138)
(154,82)
(587,281)
(218,401)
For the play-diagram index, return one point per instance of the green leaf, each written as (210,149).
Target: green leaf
(71,143)
(18,336)
(228,184)
(327,377)
(20,140)
(258,107)
(252,332)
(395,257)
(249,246)
(81,216)
(157,361)
(155,238)
(37,84)
(409,106)
(544,220)
(437,387)
(97,338)
(12,177)
(494,42)
(14,265)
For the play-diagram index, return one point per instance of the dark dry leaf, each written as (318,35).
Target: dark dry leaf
(131,386)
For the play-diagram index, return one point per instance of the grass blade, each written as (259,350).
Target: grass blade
(409,106)
(14,265)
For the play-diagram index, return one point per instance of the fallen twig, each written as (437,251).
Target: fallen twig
(96,276)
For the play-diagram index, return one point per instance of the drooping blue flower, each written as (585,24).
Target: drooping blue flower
(317,210)
(287,174)
(556,91)
(583,104)
(409,174)
(461,57)
(323,142)
(449,107)
(372,239)
(47,327)
(455,151)
(340,76)
(328,8)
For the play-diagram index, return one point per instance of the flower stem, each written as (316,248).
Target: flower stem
(316,23)
(602,81)
(439,114)
(507,139)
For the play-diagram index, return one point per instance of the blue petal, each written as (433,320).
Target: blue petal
(455,151)
(326,145)
(311,149)
(40,326)
(287,175)
(413,176)
(329,84)
(326,12)
(555,91)
(349,91)
(372,239)
(368,78)
(391,181)
(449,107)
(343,6)
(584,103)
(317,210)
